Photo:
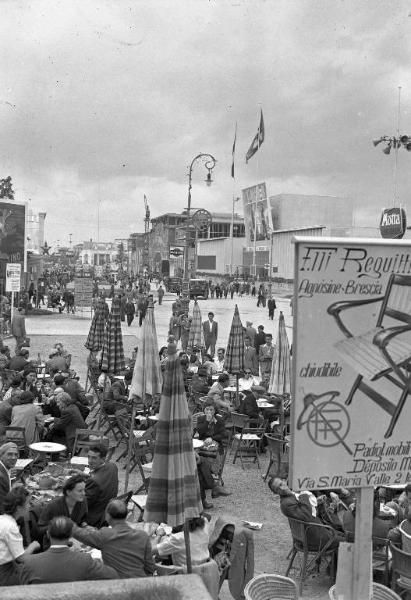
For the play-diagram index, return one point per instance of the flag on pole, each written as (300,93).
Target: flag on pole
(257,141)
(235,139)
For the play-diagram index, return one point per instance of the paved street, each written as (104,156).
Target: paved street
(251,500)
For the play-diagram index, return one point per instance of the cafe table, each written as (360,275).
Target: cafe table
(47,448)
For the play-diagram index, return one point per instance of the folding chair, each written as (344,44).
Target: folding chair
(18,436)
(86,438)
(142,457)
(248,444)
(313,539)
(382,352)
(279,457)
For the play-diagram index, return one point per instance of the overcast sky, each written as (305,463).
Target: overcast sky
(110,100)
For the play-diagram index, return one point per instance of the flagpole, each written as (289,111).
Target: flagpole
(256,198)
(233,198)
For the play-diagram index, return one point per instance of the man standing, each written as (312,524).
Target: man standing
(250,357)
(160,293)
(210,329)
(259,338)
(271,307)
(130,311)
(250,331)
(185,324)
(101,486)
(18,328)
(125,549)
(9,454)
(59,563)
(266,355)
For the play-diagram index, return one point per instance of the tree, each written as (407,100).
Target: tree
(6,188)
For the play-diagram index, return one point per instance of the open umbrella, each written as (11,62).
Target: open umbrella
(174,492)
(112,354)
(147,377)
(234,356)
(95,338)
(280,381)
(196,336)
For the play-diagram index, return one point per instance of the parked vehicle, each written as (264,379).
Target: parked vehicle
(199,287)
(175,285)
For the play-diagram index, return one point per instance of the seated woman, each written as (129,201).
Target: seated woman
(26,415)
(63,430)
(71,504)
(15,505)
(174,543)
(211,427)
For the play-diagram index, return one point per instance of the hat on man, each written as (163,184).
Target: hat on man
(4,448)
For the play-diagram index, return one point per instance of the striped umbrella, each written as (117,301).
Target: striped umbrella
(234,356)
(95,338)
(174,492)
(147,377)
(196,336)
(112,354)
(280,381)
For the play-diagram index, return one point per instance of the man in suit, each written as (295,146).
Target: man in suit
(101,486)
(210,329)
(59,563)
(250,357)
(18,328)
(9,454)
(125,549)
(250,331)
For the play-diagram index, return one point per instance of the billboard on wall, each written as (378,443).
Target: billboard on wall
(12,236)
(351,363)
(257,213)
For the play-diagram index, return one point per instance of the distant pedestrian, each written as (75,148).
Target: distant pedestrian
(130,311)
(259,338)
(18,328)
(271,308)
(160,293)
(210,329)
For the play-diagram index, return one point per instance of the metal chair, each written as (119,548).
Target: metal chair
(315,539)
(86,438)
(271,587)
(18,436)
(248,444)
(382,352)
(381,558)
(379,592)
(401,569)
(279,457)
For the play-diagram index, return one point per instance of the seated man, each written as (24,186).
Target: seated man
(199,383)
(101,486)
(248,405)
(250,382)
(125,549)
(216,392)
(20,362)
(60,563)
(116,396)
(302,506)
(56,363)
(219,361)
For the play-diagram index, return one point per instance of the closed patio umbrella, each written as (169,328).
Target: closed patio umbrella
(147,377)
(112,354)
(196,336)
(95,338)
(280,381)
(234,356)
(174,492)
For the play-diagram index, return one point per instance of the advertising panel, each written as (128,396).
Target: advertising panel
(83,292)
(351,363)
(257,213)
(13,277)
(12,236)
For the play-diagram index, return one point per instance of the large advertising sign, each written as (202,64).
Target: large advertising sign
(257,213)
(12,224)
(351,363)
(13,277)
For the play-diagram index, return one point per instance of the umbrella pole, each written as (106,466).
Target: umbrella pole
(130,445)
(188,549)
(237,391)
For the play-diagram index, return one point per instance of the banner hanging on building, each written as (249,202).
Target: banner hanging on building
(257,213)
(351,357)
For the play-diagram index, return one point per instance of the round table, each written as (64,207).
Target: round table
(47,447)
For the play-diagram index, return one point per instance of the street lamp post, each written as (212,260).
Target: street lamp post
(209,163)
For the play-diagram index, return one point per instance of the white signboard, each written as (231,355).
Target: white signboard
(351,363)
(13,276)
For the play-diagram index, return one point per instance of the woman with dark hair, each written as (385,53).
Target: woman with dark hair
(174,543)
(64,428)
(71,504)
(26,415)
(12,550)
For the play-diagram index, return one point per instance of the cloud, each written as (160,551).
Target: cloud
(107,100)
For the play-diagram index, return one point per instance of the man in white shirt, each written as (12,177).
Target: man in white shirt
(249,382)
(210,330)
(9,454)
(219,361)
